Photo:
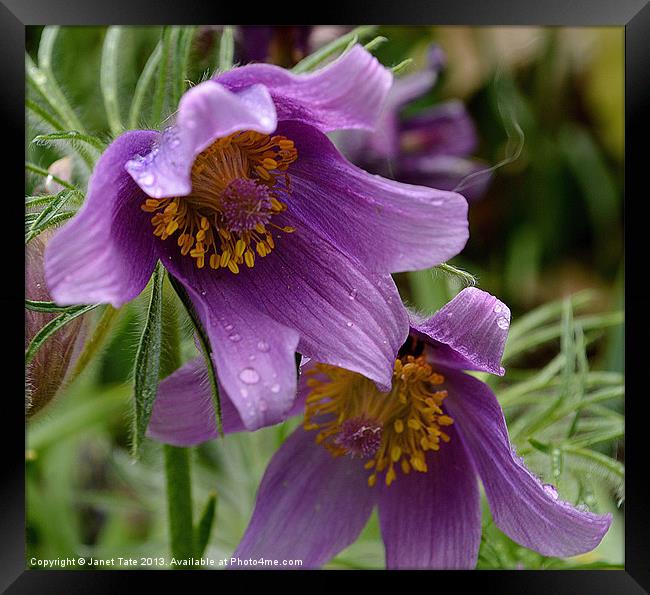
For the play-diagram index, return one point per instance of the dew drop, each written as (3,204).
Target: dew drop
(249,376)
(228,327)
(550,490)
(497,308)
(263,346)
(243,392)
(437,203)
(502,322)
(353,294)
(235,338)
(275,388)
(349,324)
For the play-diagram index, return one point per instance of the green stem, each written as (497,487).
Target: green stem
(179,501)
(177,459)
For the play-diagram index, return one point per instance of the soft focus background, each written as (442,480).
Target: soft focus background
(546,238)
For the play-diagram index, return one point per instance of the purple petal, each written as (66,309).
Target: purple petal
(468,333)
(310,505)
(205,113)
(348,93)
(386,225)
(105,253)
(444,129)
(183,413)
(521,506)
(433,519)
(345,315)
(446,172)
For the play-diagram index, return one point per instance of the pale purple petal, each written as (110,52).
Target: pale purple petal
(183,412)
(344,315)
(205,113)
(348,93)
(444,129)
(433,519)
(468,333)
(106,252)
(310,505)
(386,225)
(446,172)
(522,507)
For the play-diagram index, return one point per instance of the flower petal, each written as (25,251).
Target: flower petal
(468,333)
(348,93)
(433,519)
(310,505)
(523,508)
(205,113)
(447,172)
(386,225)
(105,253)
(183,412)
(444,129)
(345,315)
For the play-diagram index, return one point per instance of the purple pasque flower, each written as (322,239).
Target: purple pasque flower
(415,452)
(280,242)
(431,148)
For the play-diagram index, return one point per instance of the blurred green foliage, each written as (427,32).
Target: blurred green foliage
(549,226)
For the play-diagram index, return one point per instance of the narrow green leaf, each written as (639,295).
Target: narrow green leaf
(52,327)
(179,501)
(161,84)
(375,42)
(545,448)
(108,78)
(204,343)
(510,395)
(183,52)
(44,114)
(45,61)
(466,278)
(147,361)
(37,169)
(398,68)
(37,306)
(69,135)
(204,527)
(44,218)
(310,62)
(226,49)
(143,85)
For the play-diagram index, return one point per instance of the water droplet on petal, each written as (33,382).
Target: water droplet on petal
(497,308)
(235,337)
(243,392)
(249,376)
(229,327)
(437,203)
(263,346)
(275,388)
(503,322)
(353,294)
(550,490)
(350,324)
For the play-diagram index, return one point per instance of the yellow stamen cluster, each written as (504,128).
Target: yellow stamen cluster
(410,415)
(212,226)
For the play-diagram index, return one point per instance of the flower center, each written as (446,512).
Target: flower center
(237,186)
(391,430)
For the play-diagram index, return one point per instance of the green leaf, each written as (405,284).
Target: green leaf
(204,343)
(161,84)
(37,169)
(375,42)
(56,96)
(595,463)
(44,114)
(467,279)
(398,68)
(49,307)
(310,62)
(226,49)
(143,84)
(182,60)
(147,361)
(44,219)
(76,140)
(204,527)
(52,327)
(108,78)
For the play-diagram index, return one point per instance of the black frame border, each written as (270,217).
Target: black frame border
(634,15)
